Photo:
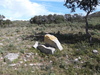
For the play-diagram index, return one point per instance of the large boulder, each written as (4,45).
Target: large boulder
(46,49)
(52,41)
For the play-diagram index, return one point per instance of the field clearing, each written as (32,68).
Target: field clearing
(77,58)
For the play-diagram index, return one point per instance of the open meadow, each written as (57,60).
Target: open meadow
(77,58)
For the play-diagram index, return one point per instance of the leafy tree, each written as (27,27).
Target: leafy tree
(1,19)
(8,22)
(68,17)
(87,5)
(59,19)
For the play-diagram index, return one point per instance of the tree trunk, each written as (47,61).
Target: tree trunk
(88,35)
(86,21)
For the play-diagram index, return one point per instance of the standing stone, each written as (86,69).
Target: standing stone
(45,49)
(52,41)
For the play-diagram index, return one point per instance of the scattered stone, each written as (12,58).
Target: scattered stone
(76,60)
(47,50)
(25,64)
(12,65)
(1,44)
(29,54)
(79,58)
(25,59)
(95,51)
(50,61)
(52,41)
(32,71)
(12,56)
(38,64)
(31,64)
(21,62)
(36,45)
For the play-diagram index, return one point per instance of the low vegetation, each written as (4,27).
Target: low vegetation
(77,57)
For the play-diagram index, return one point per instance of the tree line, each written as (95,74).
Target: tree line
(48,19)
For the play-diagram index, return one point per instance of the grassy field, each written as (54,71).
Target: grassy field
(77,57)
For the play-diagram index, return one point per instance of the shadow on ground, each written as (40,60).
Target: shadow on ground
(63,38)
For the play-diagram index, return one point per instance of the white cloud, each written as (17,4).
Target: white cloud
(98,7)
(19,9)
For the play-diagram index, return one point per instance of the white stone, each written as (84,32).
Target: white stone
(36,45)
(1,44)
(52,41)
(31,64)
(47,50)
(95,51)
(12,65)
(12,56)
(25,64)
(21,62)
(79,57)
(76,60)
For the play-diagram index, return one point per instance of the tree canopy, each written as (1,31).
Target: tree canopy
(86,5)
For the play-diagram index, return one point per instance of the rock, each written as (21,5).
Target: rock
(79,58)
(52,41)
(1,43)
(12,56)
(36,45)
(47,50)
(12,65)
(76,60)
(95,51)
(31,64)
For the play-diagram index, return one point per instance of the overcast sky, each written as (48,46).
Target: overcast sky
(25,9)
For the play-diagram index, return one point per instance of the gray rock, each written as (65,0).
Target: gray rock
(76,60)
(1,43)
(45,49)
(12,65)
(12,56)
(95,51)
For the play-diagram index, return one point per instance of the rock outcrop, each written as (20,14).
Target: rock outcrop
(52,41)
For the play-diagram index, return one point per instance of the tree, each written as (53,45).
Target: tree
(87,5)
(8,22)
(1,19)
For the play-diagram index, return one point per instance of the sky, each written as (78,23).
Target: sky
(26,9)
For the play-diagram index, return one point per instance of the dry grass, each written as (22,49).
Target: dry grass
(19,39)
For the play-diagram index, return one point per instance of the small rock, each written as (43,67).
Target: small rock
(32,71)
(50,61)
(29,54)
(25,64)
(31,64)
(1,44)
(12,56)
(76,60)
(12,65)
(95,51)
(21,62)
(79,58)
